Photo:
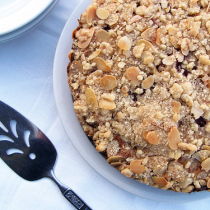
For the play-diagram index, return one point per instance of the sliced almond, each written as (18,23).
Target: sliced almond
(173,138)
(152,137)
(105,104)
(124,43)
(147,45)
(148,82)
(208,183)
(75,67)
(91,13)
(103,35)
(159,35)
(108,82)
(94,54)
(115,159)
(186,146)
(149,34)
(116,164)
(91,98)
(87,42)
(169,60)
(176,106)
(205,165)
(160,181)
(134,19)
(102,13)
(101,64)
(132,74)
(137,167)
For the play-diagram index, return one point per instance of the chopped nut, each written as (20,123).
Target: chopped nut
(187,88)
(160,181)
(138,50)
(137,167)
(105,104)
(102,13)
(101,64)
(176,91)
(124,43)
(173,138)
(205,165)
(196,110)
(148,82)
(102,146)
(108,82)
(127,172)
(186,146)
(132,73)
(91,98)
(103,35)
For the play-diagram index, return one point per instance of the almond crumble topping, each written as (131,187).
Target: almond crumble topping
(139,74)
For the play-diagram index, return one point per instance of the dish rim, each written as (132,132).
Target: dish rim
(74,130)
(22,12)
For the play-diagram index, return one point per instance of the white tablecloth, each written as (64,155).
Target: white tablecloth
(26,83)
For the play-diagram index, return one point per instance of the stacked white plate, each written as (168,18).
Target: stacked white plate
(18,16)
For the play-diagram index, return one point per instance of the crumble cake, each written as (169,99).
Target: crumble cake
(139,75)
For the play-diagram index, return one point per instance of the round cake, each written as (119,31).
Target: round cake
(139,75)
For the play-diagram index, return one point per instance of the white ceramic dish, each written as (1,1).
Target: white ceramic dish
(74,131)
(17,13)
(22,30)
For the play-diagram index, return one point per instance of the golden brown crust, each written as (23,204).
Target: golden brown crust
(139,75)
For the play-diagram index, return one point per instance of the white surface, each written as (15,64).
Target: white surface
(64,103)
(25,28)
(26,83)
(16,13)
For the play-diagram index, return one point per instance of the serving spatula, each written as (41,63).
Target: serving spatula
(29,153)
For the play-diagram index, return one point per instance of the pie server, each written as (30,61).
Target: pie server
(29,153)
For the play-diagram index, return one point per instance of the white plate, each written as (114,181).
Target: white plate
(22,30)
(74,131)
(17,13)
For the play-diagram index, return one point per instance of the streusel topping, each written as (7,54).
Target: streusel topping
(139,75)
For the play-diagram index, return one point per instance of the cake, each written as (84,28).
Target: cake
(139,76)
